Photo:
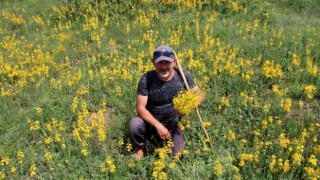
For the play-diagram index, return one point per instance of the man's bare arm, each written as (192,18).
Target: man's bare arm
(141,103)
(198,91)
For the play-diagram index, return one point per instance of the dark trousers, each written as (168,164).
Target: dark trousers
(140,131)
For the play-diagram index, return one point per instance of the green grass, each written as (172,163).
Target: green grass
(46,66)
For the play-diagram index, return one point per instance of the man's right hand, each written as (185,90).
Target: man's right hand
(163,131)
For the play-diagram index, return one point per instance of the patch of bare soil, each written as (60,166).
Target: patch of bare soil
(94,116)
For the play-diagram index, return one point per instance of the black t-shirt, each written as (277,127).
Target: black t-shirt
(161,93)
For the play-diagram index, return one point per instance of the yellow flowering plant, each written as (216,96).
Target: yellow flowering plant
(186,101)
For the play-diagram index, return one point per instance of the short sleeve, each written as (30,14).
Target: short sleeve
(189,79)
(142,86)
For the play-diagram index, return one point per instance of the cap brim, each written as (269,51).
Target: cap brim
(164,58)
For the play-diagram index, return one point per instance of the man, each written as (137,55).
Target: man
(154,103)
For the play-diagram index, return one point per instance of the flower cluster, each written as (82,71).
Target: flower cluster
(309,91)
(186,101)
(160,164)
(271,70)
(286,104)
(108,165)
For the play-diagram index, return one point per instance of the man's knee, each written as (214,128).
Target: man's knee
(136,124)
(178,143)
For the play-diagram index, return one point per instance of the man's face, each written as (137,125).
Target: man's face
(164,68)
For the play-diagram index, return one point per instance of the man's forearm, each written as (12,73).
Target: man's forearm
(148,117)
(200,93)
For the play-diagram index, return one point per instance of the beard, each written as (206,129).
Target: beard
(164,74)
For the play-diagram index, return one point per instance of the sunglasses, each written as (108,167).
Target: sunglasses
(157,54)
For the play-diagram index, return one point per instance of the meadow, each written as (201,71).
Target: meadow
(69,71)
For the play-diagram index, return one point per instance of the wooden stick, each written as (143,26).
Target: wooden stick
(188,88)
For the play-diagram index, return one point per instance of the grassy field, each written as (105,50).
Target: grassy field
(69,71)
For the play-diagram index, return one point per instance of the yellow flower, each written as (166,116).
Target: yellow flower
(286,166)
(249,158)
(110,164)
(38,20)
(33,170)
(264,124)
(236,177)
(310,172)
(35,126)
(129,146)
(47,155)
(314,139)
(162,175)
(243,142)
(206,148)
(309,90)
(295,59)
(231,135)
(172,165)
(218,170)
(186,101)
(38,110)
(83,91)
(280,163)
(242,163)
(4,160)
(54,122)
(20,156)
(17,20)
(296,159)
(103,167)
(286,104)
(235,168)
(120,143)
(272,164)
(131,163)
(84,152)
(225,101)
(101,134)
(57,137)
(61,126)
(197,151)
(256,132)
(271,70)
(283,141)
(76,134)
(51,168)
(312,160)
(63,146)
(180,125)
(266,108)
(207,124)
(119,91)
(158,165)
(2,175)
(74,104)
(185,151)
(64,37)
(275,89)
(48,127)
(268,143)
(13,170)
